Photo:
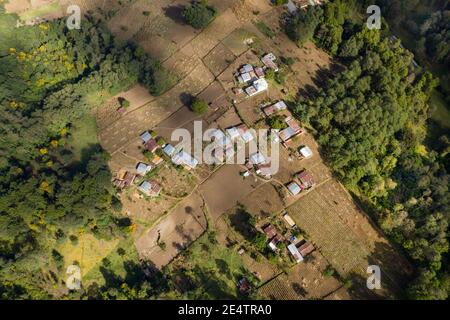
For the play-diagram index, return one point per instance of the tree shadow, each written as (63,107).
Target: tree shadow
(175,13)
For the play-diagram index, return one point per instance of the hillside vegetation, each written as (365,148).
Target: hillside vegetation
(370,121)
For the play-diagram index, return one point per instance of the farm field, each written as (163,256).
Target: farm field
(345,236)
(303,281)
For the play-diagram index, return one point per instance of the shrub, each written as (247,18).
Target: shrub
(270,74)
(199,14)
(199,106)
(124,103)
(277,122)
(279,2)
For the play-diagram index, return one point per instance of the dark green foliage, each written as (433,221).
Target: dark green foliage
(49,78)
(371,123)
(199,14)
(279,2)
(277,122)
(300,28)
(199,106)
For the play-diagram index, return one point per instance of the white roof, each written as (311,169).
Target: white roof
(261,85)
(146,136)
(280,105)
(289,220)
(169,149)
(246,77)
(294,188)
(142,168)
(185,158)
(306,152)
(294,251)
(257,158)
(247,67)
(272,246)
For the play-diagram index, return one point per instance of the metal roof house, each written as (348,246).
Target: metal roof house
(143,168)
(150,188)
(146,136)
(185,159)
(306,179)
(294,188)
(306,152)
(295,253)
(169,149)
(258,86)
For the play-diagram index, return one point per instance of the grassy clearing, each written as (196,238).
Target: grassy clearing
(264,29)
(441,113)
(41,11)
(88,251)
(84,135)
(215,268)
(122,252)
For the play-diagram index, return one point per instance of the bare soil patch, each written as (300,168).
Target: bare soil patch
(218,59)
(225,188)
(264,201)
(182,226)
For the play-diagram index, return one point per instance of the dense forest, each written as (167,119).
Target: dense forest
(49,78)
(370,121)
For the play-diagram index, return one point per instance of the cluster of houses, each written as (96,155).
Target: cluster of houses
(180,157)
(253,78)
(126,178)
(260,164)
(304,181)
(299,248)
(292,129)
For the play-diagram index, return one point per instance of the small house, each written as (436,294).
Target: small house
(268,61)
(306,248)
(294,188)
(185,159)
(168,149)
(295,253)
(264,170)
(146,136)
(151,145)
(257,158)
(270,231)
(245,133)
(150,188)
(244,286)
(258,86)
(306,179)
(289,220)
(143,168)
(305,152)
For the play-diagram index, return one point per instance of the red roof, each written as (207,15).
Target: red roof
(151,145)
(306,249)
(306,179)
(270,231)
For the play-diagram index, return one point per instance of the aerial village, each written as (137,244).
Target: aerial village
(249,81)
(272,221)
